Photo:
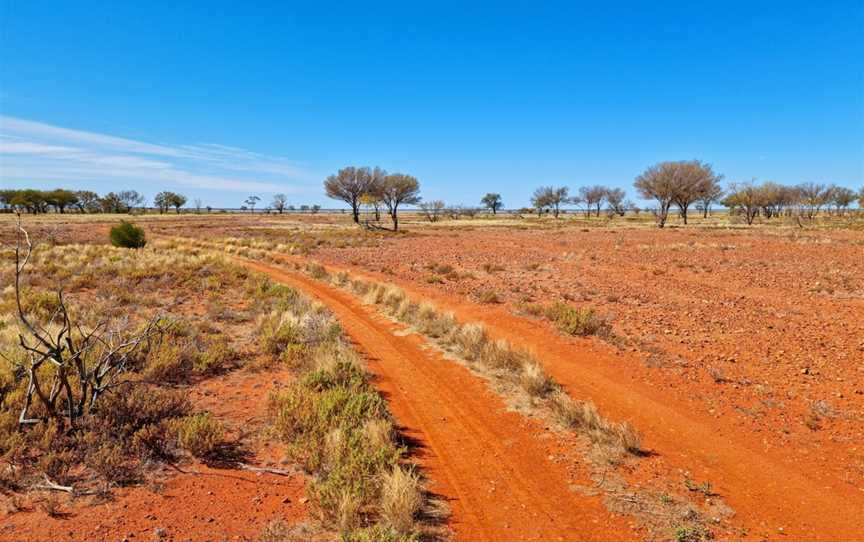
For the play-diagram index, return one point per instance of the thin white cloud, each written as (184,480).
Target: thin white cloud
(35,151)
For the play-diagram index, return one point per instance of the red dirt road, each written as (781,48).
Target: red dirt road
(489,463)
(775,496)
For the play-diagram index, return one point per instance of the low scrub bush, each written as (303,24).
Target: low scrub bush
(488,297)
(317,271)
(111,464)
(306,326)
(215,357)
(581,321)
(336,425)
(201,434)
(127,235)
(171,361)
(492,267)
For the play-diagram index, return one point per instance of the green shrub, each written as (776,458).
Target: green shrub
(214,358)
(171,362)
(125,412)
(111,464)
(582,321)
(127,235)
(200,434)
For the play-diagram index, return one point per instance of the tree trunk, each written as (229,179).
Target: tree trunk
(395,218)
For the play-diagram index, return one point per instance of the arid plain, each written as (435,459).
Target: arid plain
(546,378)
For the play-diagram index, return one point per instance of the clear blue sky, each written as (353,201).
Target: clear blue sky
(220,100)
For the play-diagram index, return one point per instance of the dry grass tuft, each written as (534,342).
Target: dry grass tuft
(401,499)
(348,512)
(469,341)
(534,380)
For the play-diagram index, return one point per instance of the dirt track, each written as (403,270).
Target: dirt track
(773,497)
(486,461)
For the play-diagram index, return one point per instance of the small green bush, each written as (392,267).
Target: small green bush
(214,358)
(582,321)
(127,235)
(200,434)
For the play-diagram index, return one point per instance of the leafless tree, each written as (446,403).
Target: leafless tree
(350,184)
(398,189)
(198,205)
(540,200)
(458,211)
(549,197)
(68,367)
(279,202)
(433,209)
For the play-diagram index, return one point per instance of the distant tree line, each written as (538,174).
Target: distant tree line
(62,201)
(685,185)
(125,201)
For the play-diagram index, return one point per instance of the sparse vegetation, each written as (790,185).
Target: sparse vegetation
(500,362)
(337,426)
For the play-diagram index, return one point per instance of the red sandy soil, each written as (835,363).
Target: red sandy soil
(741,361)
(780,315)
(194,503)
(501,481)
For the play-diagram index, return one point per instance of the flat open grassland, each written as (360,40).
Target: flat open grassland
(736,353)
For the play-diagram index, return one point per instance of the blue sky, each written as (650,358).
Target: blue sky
(220,100)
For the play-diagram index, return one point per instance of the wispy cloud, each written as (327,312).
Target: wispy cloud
(39,152)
